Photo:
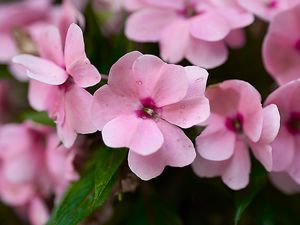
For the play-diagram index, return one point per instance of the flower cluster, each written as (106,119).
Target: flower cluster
(147,102)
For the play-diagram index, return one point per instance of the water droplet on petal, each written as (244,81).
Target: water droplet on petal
(138,82)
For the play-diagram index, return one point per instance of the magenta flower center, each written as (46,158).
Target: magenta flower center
(297,45)
(271,4)
(189,10)
(148,109)
(235,124)
(293,123)
(67,85)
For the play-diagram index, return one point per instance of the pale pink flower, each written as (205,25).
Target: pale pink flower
(142,105)
(267,9)
(57,81)
(27,173)
(191,29)
(281,48)
(286,152)
(237,121)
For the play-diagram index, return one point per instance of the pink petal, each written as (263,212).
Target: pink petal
(66,134)
(121,75)
(107,105)
(187,113)
(39,95)
(197,78)
(16,194)
(41,69)
(283,67)
(139,135)
(294,169)
(250,107)
(207,168)
(146,73)
(263,153)
(174,41)
(236,38)
(282,159)
(206,54)
(271,124)
(209,26)
(21,168)
(168,4)
(146,167)
(38,212)
(236,17)
(49,43)
(177,153)
(284,182)
(215,145)
(146,25)
(77,64)
(8,48)
(171,86)
(177,149)
(236,174)
(77,110)
(223,100)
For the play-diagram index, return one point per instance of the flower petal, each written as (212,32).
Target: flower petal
(139,135)
(148,24)
(41,69)
(282,159)
(236,174)
(107,105)
(216,145)
(206,54)
(77,64)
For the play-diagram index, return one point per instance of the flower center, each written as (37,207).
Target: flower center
(148,109)
(293,123)
(271,4)
(67,85)
(235,124)
(189,10)
(297,45)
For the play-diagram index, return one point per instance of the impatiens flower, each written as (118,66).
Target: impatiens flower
(142,106)
(267,9)
(33,168)
(57,81)
(237,121)
(281,48)
(191,29)
(286,147)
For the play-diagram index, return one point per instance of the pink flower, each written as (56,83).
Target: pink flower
(193,29)
(281,48)
(286,154)
(142,105)
(237,121)
(27,173)
(267,9)
(58,79)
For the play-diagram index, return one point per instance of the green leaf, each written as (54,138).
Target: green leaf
(38,117)
(92,190)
